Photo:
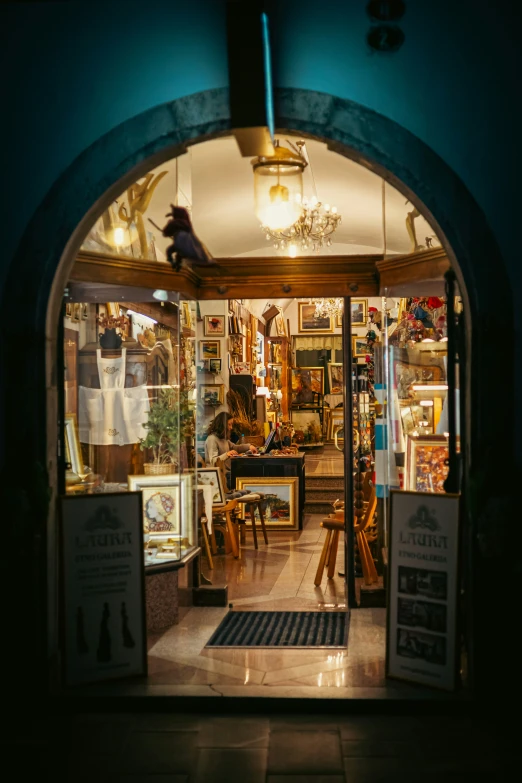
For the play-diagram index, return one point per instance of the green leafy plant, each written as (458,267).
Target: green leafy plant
(163,428)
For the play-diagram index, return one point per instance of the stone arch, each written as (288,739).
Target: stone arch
(39,272)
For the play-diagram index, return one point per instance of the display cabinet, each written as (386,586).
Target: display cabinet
(130,418)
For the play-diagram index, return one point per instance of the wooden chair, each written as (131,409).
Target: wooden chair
(334,525)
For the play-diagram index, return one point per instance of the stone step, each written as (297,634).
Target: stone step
(324,481)
(324,494)
(318,507)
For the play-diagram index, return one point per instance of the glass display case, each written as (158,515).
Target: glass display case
(130,412)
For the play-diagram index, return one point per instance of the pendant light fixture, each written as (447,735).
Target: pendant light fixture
(278,187)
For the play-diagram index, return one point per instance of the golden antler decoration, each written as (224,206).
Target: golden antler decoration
(139,196)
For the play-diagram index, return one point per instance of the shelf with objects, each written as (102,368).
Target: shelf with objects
(276,362)
(417,368)
(130,410)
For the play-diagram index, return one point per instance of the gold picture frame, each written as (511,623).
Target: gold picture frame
(425,469)
(359,312)
(307,324)
(281,505)
(359,346)
(186,314)
(161,502)
(214,325)
(209,349)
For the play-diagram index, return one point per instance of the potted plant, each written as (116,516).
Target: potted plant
(163,433)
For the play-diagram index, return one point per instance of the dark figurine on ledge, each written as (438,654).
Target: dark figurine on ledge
(186,245)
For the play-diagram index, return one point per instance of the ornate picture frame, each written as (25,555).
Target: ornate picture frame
(281,505)
(308,324)
(425,470)
(214,326)
(359,312)
(359,346)
(209,349)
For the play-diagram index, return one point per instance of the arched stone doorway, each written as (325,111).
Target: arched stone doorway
(46,254)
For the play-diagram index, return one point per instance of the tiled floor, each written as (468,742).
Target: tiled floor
(397,733)
(195,748)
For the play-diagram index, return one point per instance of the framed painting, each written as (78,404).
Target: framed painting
(339,318)
(309,324)
(336,377)
(241,368)
(359,347)
(212,476)
(212,393)
(214,325)
(280,506)
(161,506)
(359,312)
(209,349)
(214,365)
(304,381)
(425,468)
(406,374)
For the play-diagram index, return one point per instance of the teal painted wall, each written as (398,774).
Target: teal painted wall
(77,69)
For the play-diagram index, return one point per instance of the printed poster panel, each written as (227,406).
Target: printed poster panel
(423,588)
(104,594)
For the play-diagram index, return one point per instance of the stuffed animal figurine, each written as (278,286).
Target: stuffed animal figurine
(186,245)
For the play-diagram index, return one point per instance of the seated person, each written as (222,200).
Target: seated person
(218,443)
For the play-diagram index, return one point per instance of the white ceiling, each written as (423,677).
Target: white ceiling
(217,184)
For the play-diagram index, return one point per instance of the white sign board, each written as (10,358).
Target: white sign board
(104,593)
(423,588)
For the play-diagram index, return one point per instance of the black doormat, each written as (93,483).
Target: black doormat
(281,629)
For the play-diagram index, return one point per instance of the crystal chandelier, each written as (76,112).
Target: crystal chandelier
(312,230)
(327,307)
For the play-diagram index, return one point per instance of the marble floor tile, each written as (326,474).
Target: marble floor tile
(220,765)
(160,753)
(309,751)
(229,732)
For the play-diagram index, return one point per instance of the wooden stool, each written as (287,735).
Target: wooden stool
(226,525)
(251,502)
(329,554)
(334,524)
